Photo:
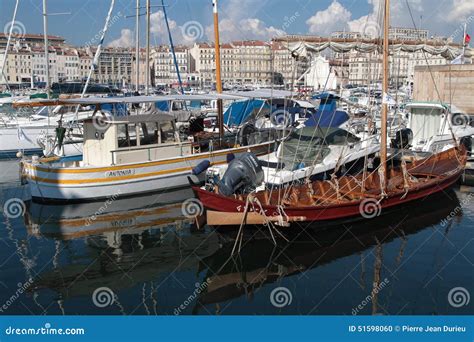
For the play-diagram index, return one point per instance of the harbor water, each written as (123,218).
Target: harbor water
(143,256)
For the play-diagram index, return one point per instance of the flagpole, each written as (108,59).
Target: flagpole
(464,43)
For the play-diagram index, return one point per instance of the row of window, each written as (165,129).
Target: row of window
(143,134)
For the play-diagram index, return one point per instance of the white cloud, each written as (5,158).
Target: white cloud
(188,33)
(372,23)
(460,10)
(241,9)
(333,18)
(238,21)
(337,18)
(126,39)
(244,29)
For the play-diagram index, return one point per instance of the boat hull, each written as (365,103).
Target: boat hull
(12,140)
(327,213)
(56,183)
(25,141)
(331,212)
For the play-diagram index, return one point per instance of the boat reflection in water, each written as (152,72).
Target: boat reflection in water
(128,242)
(153,259)
(260,262)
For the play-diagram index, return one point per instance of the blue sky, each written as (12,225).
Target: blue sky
(241,19)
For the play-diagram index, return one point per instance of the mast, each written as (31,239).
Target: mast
(8,42)
(137,48)
(46,56)
(383,147)
(147,71)
(95,61)
(173,52)
(220,111)
(46,48)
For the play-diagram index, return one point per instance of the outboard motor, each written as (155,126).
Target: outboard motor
(243,175)
(403,139)
(467,143)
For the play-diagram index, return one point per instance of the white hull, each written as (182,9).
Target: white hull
(275,178)
(11,141)
(60,183)
(25,140)
(164,183)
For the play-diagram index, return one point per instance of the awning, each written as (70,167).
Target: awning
(89,101)
(304,49)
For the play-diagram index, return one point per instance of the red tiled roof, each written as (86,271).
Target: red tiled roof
(32,36)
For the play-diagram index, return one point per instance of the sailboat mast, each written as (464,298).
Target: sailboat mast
(383,147)
(147,71)
(137,48)
(46,45)
(8,42)
(220,111)
(173,52)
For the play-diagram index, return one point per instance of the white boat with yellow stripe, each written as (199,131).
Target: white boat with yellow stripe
(127,156)
(136,154)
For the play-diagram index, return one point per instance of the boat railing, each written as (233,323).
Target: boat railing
(152,152)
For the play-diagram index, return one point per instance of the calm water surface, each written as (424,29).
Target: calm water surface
(148,259)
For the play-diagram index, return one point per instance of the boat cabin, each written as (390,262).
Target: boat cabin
(132,139)
(427,120)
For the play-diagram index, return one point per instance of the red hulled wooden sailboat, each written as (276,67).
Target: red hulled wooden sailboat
(345,197)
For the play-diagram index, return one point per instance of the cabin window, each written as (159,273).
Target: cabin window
(177,106)
(148,132)
(167,133)
(126,135)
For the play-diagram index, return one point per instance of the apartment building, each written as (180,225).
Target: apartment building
(18,66)
(242,63)
(165,70)
(396,33)
(406,33)
(30,39)
(114,65)
(247,63)
(402,66)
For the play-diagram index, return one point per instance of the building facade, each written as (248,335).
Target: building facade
(243,63)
